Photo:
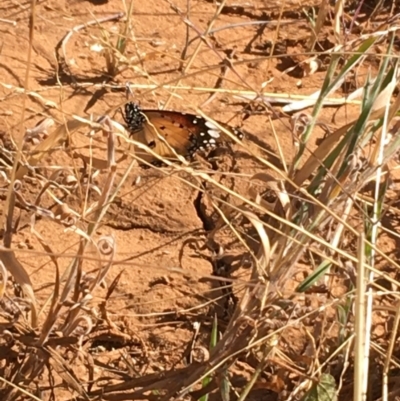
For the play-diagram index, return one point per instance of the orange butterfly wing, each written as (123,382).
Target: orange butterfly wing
(170,133)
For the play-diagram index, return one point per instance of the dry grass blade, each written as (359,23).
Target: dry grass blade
(12,264)
(55,139)
(326,147)
(20,390)
(4,279)
(339,7)
(188,65)
(262,258)
(53,313)
(322,14)
(361,363)
(66,372)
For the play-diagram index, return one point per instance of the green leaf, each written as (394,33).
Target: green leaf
(213,343)
(314,277)
(325,390)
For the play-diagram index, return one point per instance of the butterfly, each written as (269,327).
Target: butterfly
(172,133)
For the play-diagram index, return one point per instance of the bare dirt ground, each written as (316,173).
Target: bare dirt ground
(154,306)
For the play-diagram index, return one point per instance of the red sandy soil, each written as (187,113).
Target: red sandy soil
(153,307)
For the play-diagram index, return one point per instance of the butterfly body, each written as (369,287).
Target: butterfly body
(172,133)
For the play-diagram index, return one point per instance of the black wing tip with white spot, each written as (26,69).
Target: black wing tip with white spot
(133,116)
(238,132)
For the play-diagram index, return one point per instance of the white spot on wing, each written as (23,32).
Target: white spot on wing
(214,133)
(211,125)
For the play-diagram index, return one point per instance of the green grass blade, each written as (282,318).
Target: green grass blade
(213,343)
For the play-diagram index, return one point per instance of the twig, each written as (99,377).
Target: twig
(224,73)
(8,258)
(187,41)
(8,21)
(196,51)
(62,59)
